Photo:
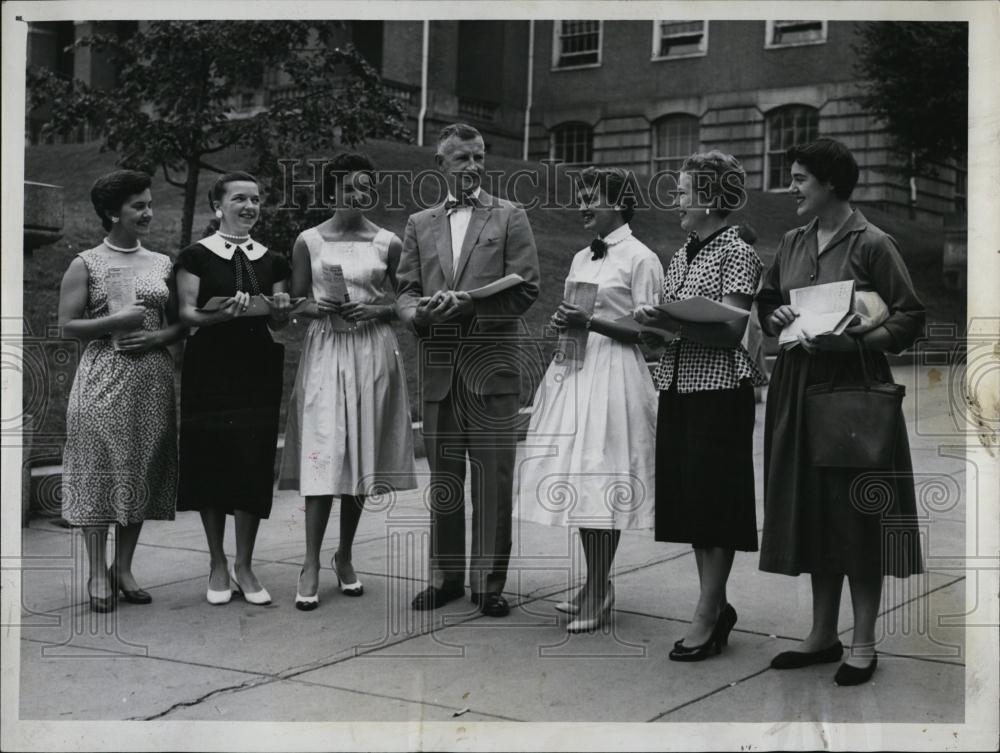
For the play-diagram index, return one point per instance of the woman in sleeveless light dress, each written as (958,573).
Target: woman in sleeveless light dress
(349,429)
(120,459)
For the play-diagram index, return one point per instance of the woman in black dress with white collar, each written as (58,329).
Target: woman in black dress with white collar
(231,383)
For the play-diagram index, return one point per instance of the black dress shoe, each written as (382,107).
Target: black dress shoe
(848,675)
(432,598)
(492,605)
(102,603)
(799,659)
(138,596)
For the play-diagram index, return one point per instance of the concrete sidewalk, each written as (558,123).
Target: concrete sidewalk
(374,659)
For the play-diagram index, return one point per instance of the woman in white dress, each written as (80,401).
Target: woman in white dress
(349,429)
(588,458)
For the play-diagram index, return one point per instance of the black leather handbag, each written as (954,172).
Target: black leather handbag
(853,424)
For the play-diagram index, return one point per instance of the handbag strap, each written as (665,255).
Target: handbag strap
(866,375)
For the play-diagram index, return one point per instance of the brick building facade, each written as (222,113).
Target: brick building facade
(639,94)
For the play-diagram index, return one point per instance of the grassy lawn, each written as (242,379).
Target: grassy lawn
(557,233)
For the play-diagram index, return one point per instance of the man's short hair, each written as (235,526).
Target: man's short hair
(462,131)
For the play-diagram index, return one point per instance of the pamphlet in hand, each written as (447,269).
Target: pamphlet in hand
(259,305)
(336,290)
(498,286)
(702,310)
(120,284)
(334,284)
(572,344)
(823,310)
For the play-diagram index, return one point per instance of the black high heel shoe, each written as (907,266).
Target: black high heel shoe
(729,616)
(138,596)
(102,603)
(711,647)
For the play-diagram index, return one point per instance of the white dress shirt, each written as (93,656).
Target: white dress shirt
(459,218)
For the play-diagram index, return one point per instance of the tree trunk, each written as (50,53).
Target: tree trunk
(190,199)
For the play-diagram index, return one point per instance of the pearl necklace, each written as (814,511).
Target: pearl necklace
(233,238)
(121,250)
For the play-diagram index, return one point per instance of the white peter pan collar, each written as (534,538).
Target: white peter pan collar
(225,249)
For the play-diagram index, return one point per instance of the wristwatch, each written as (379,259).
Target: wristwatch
(589,320)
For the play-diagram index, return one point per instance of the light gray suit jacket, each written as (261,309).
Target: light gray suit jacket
(484,349)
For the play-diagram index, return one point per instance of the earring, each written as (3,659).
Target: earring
(218,214)
(114,219)
(708,211)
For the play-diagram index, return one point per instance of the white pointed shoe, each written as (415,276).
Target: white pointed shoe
(573,605)
(260,597)
(351,589)
(305,603)
(589,624)
(215,598)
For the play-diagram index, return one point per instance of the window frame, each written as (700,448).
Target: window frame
(768,118)
(960,199)
(663,120)
(563,126)
(769,35)
(557,46)
(657,39)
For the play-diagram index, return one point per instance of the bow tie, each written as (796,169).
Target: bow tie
(599,249)
(465,200)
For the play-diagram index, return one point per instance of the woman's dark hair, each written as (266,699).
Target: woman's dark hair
(831,162)
(218,189)
(110,191)
(612,183)
(718,180)
(343,165)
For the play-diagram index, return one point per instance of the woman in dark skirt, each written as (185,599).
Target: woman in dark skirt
(832,522)
(704,435)
(231,383)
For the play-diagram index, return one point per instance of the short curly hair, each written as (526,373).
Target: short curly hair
(612,183)
(830,162)
(111,191)
(718,179)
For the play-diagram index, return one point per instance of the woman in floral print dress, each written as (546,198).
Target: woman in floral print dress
(120,459)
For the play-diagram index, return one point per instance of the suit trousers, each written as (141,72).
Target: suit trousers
(482,427)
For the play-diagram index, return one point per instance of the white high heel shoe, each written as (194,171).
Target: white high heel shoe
(305,603)
(215,598)
(586,625)
(351,589)
(260,597)
(572,606)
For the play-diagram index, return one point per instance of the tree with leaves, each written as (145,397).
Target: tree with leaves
(915,80)
(173,110)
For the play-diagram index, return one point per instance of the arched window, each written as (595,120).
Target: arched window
(786,127)
(572,143)
(675,137)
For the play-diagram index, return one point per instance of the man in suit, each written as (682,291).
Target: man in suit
(468,365)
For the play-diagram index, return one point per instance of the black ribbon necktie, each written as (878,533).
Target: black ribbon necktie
(246,280)
(599,249)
